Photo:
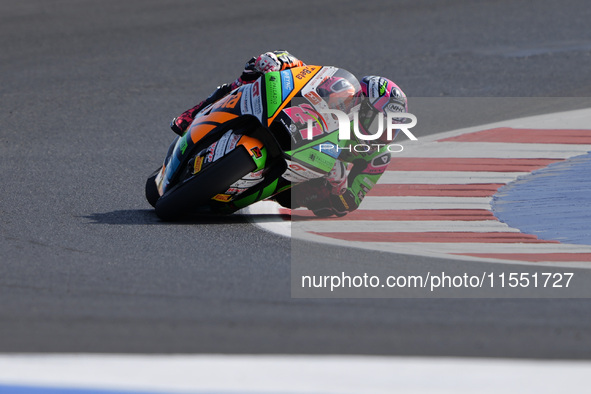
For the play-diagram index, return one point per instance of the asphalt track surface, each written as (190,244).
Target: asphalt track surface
(87,91)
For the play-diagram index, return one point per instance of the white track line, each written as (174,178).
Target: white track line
(447,177)
(252,374)
(265,214)
(412,202)
(493,149)
(360,226)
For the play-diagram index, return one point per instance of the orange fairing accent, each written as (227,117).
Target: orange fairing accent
(219,116)
(200,130)
(300,80)
(250,143)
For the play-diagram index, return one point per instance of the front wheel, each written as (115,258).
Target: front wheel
(197,190)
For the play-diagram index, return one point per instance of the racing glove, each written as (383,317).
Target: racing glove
(264,63)
(316,196)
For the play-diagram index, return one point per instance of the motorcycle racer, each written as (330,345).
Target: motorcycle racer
(355,173)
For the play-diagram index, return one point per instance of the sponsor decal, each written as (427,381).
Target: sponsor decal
(368,182)
(286,83)
(254,175)
(395,92)
(302,74)
(374,90)
(328,148)
(257,102)
(373,170)
(321,159)
(209,154)
(318,79)
(220,149)
(378,165)
(303,171)
(232,101)
(325,73)
(273,88)
(381,160)
(256,151)
(305,114)
(313,97)
(394,107)
(222,197)
(293,176)
(235,190)
(198,164)
(246,183)
(233,141)
(298,173)
(246,106)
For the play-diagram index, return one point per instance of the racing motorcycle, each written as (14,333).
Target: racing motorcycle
(258,141)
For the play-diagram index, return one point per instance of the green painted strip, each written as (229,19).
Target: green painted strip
(261,161)
(273,89)
(246,201)
(269,190)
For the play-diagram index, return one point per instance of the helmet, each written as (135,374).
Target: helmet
(338,92)
(381,95)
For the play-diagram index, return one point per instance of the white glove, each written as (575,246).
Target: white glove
(337,178)
(267,62)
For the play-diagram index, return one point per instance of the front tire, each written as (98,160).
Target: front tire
(152,194)
(196,191)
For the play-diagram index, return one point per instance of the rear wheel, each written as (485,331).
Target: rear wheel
(200,188)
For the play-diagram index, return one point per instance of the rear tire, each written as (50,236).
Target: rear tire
(196,191)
